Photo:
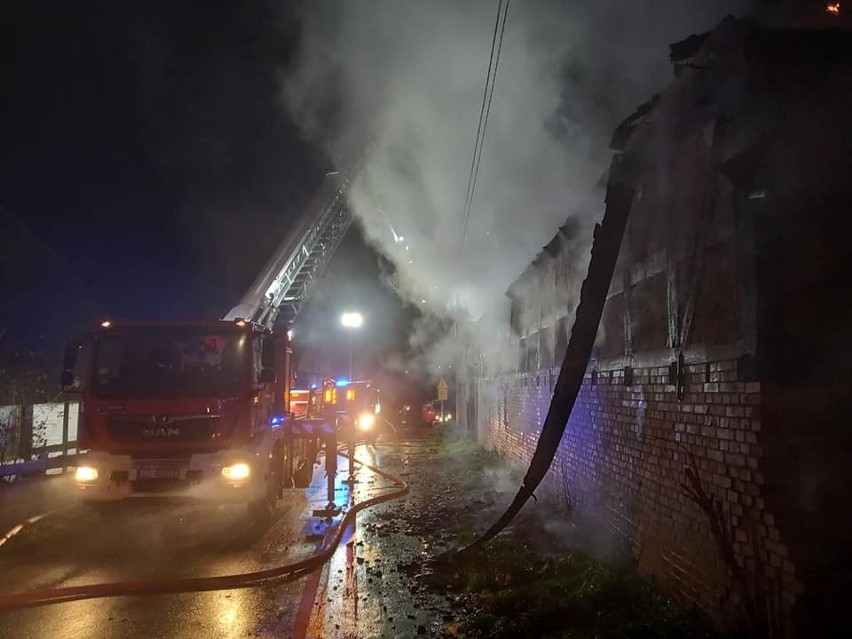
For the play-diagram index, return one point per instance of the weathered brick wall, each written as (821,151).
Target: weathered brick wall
(621,463)
(736,258)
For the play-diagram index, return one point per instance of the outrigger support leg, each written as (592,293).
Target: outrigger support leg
(331,510)
(351,452)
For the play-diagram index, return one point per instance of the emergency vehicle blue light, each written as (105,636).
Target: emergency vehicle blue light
(276,420)
(342,382)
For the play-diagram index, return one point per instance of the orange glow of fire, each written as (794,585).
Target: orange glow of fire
(833,8)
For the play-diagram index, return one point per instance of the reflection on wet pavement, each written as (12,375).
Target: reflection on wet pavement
(365,590)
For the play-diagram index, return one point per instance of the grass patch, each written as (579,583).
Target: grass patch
(517,587)
(452,443)
(462,455)
(518,593)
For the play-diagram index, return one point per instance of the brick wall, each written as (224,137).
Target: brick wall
(622,462)
(736,257)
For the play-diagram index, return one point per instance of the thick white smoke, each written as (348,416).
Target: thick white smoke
(408,77)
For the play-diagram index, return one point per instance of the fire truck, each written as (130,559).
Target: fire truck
(202,409)
(304,402)
(357,406)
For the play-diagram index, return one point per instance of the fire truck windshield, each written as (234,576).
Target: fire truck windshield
(168,362)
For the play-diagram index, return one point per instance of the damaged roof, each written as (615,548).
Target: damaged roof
(686,49)
(695,98)
(624,130)
(561,241)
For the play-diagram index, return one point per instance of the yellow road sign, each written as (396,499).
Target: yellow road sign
(442,390)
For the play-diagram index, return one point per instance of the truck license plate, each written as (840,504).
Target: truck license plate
(158,473)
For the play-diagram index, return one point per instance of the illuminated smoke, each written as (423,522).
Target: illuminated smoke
(408,78)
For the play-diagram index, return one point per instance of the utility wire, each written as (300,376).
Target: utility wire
(482,107)
(468,198)
(485,121)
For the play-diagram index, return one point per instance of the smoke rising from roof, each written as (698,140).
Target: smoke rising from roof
(405,80)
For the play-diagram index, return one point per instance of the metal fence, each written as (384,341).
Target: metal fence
(38,439)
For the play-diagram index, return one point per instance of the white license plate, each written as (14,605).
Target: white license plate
(158,473)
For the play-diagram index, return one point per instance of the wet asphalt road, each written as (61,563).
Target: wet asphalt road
(360,592)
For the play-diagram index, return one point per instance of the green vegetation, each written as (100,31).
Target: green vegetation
(518,593)
(518,588)
(461,447)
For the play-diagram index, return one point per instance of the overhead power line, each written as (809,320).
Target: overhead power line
(482,107)
(485,109)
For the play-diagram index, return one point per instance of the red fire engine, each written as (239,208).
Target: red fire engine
(202,409)
(358,407)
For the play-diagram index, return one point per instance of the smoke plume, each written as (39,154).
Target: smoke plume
(398,84)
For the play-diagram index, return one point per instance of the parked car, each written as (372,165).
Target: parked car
(443,418)
(428,414)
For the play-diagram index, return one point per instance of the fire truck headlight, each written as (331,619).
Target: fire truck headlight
(86,474)
(366,421)
(236,472)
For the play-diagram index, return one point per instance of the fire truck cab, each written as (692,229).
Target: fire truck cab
(190,409)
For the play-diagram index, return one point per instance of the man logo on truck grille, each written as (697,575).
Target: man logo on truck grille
(171,431)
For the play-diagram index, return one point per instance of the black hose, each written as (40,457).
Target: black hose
(605,248)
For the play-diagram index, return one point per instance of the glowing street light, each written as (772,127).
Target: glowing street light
(351,320)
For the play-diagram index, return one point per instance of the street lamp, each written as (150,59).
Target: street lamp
(351,320)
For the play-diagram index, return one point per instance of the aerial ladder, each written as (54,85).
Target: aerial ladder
(284,284)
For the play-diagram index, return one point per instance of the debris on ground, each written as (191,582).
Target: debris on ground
(524,583)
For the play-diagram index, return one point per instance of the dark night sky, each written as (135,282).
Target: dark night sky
(147,168)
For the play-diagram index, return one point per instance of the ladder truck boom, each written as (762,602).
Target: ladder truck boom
(281,288)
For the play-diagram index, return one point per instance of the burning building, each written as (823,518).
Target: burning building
(711,432)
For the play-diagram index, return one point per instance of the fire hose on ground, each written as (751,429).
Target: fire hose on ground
(200,584)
